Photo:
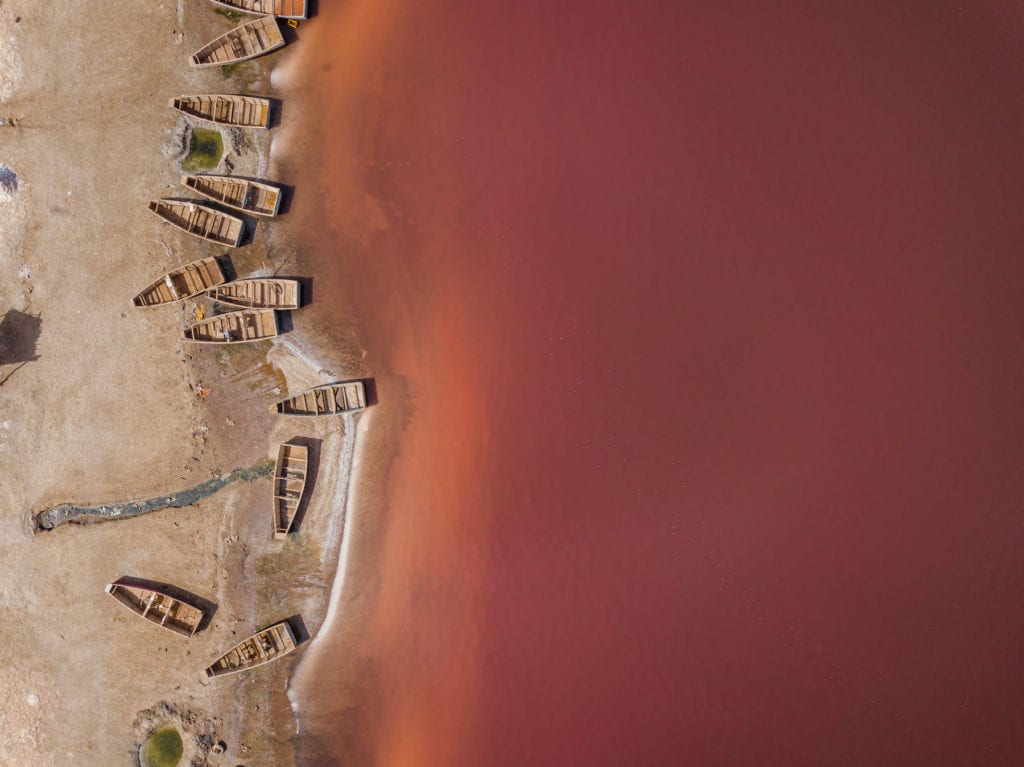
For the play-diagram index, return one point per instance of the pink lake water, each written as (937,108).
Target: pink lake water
(697,335)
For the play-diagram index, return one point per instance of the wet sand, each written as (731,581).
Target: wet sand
(698,425)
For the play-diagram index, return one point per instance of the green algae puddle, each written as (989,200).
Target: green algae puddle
(162,749)
(70,512)
(206,147)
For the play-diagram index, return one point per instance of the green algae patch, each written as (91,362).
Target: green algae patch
(162,749)
(233,16)
(205,149)
(55,516)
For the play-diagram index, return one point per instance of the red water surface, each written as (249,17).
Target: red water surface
(703,322)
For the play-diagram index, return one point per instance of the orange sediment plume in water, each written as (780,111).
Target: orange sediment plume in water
(395,682)
(424,631)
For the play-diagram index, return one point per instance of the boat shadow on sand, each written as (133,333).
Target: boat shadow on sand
(276,108)
(19,334)
(370,387)
(305,287)
(298,629)
(224,261)
(287,193)
(209,608)
(285,323)
(289,33)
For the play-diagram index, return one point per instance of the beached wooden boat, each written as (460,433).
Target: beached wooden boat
(233,327)
(285,9)
(329,399)
(184,282)
(224,109)
(246,41)
(262,647)
(200,220)
(289,485)
(258,293)
(158,607)
(256,197)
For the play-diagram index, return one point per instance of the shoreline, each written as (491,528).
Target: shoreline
(297,687)
(338,330)
(104,407)
(366,239)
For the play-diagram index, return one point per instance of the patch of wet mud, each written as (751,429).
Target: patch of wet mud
(73,513)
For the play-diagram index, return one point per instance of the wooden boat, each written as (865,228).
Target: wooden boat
(243,111)
(256,197)
(246,41)
(285,9)
(289,485)
(183,282)
(200,220)
(158,607)
(258,293)
(262,647)
(329,399)
(233,327)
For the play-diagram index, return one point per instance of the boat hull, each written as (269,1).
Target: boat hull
(200,221)
(246,41)
(179,284)
(262,647)
(256,198)
(244,326)
(225,109)
(283,9)
(259,293)
(330,399)
(156,606)
(290,475)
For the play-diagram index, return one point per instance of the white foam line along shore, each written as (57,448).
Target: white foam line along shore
(342,513)
(338,508)
(349,468)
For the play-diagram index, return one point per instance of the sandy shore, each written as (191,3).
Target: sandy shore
(98,404)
